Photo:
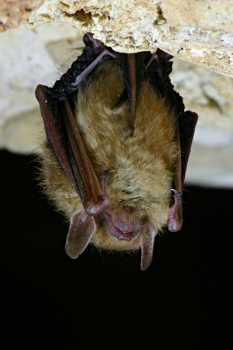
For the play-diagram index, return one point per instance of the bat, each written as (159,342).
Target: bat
(117,148)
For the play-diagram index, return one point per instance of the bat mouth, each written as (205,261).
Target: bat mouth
(118,226)
(126,236)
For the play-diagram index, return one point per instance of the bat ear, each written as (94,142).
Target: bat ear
(82,228)
(147,245)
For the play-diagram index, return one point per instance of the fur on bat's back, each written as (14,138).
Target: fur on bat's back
(142,163)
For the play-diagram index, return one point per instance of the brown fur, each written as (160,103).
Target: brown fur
(142,163)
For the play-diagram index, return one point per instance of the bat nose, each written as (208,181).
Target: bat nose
(127,209)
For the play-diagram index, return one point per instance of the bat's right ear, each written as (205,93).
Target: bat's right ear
(82,228)
(147,245)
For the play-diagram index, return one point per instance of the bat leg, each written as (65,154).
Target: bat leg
(128,64)
(133,89)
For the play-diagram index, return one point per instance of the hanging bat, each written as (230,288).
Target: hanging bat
(118,143)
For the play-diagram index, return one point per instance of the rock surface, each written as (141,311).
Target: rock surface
(29,58)
(13,12)
(200,32)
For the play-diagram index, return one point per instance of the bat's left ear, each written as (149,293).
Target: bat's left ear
(82,228)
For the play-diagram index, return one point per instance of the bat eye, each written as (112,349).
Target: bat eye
(127,192)
(127,209)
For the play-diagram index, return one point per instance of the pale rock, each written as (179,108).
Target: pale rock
(200,32)
(27,59)
(31,58)
(13,12)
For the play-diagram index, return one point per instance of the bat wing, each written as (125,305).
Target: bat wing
(66,144)
(70,151)
(157,71)
(57,104)
(185,128)
(187,124)
(71,154)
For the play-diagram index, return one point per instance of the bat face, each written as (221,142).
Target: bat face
(137,163)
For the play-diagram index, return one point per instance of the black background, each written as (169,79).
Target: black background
(102,300)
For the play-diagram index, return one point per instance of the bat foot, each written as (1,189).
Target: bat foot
(96,45)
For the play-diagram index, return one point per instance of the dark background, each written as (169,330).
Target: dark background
(102,300)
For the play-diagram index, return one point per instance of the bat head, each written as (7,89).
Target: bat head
(121,223)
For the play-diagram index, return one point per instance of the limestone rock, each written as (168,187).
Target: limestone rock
(12,13)
(199,32)
(27,59)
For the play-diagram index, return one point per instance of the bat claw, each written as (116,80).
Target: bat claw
(175,220)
